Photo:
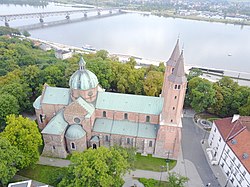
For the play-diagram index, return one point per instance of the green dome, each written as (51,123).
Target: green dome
(83,79)
(75,132)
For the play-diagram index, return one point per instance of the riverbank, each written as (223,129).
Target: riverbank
(243,78)
(199,18)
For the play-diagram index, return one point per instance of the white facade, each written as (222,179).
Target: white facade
(60,54)
(223,155)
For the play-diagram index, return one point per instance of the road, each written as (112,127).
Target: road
(192,150)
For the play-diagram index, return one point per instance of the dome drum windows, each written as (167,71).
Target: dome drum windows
(104,114)
(126,116)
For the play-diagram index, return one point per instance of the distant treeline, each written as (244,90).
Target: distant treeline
(26,2)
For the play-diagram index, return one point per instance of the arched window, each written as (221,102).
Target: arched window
(179,87)
(104,114)
(175,86)
(173,108)
(73,146)
(175,97)
(172,70)
(171,121)
(125,116)
(150,143)
(147,118)
(106,138)
(128,141)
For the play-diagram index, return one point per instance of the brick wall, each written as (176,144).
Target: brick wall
(118,115)
(54,146)
(80,144)
(85,94)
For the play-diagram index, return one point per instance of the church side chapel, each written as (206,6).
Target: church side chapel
(85,116)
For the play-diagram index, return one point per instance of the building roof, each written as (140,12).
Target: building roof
(57,125)
(21,184)
(37,103)
(87,106)
(83,79)
(237,136)
(125,127)
(178,76)
(175,55)
(75,132)
(56,95)
(129,103)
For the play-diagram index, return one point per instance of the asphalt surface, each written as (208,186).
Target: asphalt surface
(192,136)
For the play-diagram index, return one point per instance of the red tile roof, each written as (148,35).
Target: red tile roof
(239,131)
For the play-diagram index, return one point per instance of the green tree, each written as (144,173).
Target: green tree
(194,73)
(20,91)
(10,158)
(153,83)
(102,54)
(176,180)
(8,105)
(96,167)
(245,109)
(202,95)
(24,134)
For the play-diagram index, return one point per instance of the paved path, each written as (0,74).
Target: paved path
(53,161)
(192,151)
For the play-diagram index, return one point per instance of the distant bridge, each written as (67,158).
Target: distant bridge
(42,15)
(65,21)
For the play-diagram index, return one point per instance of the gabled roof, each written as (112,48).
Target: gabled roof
(88,107)
(237,136)
(178,75)
(126,128)
(56,95)
(129,103)
(57,125)
(175,55)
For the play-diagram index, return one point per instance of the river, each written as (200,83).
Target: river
(207,44)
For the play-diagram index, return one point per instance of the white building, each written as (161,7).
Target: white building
(63,54)
(229,143)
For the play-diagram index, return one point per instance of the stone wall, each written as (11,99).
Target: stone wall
(80,144)
(141,144)
(73,111)
(54,146)
(49,111)
(168,142)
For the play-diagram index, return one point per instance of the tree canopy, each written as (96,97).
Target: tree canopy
(96,167)
(8,105)
(10,158)
(24,134)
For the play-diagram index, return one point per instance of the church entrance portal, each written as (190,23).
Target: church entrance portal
(94,146)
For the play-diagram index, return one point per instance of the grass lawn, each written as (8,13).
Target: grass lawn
(45,174)
(151,163)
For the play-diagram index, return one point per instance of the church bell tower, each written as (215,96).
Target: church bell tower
(173,92)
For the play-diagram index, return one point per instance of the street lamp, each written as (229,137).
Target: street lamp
(162,167)
(167,161)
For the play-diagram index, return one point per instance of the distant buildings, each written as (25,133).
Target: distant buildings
(63,54)
(229,143)
(84,116)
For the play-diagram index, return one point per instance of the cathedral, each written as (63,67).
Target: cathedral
(85,116)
